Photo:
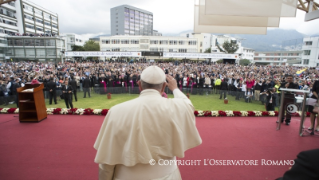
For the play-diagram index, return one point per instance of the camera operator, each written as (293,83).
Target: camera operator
(270,99)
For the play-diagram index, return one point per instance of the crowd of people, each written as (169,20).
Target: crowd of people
(248,82)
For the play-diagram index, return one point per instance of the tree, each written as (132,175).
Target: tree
(208,50)
(244,62)
(91,46)
(229,47)
(77,48)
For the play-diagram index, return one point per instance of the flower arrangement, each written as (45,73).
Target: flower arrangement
(237,113)
(197,113)
(11,110)
(56,111)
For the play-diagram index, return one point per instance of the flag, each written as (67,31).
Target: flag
(300,72)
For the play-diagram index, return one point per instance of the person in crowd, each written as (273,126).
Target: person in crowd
(315,93)
(52,91)
(223,88)
(218,83)
(86,86)
(270,99)
(257,89)
(289,98)
(115,158)
(72,83)
(67,94)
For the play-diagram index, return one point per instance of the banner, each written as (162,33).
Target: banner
(200,55)
(102,54)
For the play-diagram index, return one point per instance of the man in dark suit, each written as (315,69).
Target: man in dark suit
(306,167)
(67,94)
(52,90)
(73,84)
(223,88)
(289,98)
(86,86)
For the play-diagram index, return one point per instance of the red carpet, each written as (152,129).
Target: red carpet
(61,148)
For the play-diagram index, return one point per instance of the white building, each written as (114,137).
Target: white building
(278,58)
(21,16)
(149,43)
(72,39)
(310,49)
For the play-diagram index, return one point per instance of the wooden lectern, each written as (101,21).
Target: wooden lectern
(31,103)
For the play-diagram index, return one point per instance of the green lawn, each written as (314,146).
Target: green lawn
(201,102)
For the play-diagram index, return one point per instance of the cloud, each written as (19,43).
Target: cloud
(170,16)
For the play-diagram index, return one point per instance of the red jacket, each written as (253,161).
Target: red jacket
(250,84)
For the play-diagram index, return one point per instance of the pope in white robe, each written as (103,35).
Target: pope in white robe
(136,135)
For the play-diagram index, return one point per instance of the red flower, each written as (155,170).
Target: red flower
(207,113)
(72,111)
(222,113)
(276,113)
(264,113)
(251,113)
(195,113)
(11,110)
(308,114)
(104,112)
(1,109)
(237,113)
(88,111)
(56,111)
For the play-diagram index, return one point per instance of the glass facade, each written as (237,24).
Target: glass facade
(137,23)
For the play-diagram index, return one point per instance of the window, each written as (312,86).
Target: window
(144,41)
(182,50)
(51,52)
(181,42)
(39,29)
(47,23)
(27,7)
(125,41)
(39,42)
(18,42)
(307,52)
(7,12)
(30,52)
(308,43)
(28,17)
(10,22)
(36,11)
(106,41)
(29,26)
(54,18)
(50,42)
(154,49)
(29,42)
(39,21)
(306,61)
(133,41)
(143,46)
(115,49)
(163,42)
(40,52)
(154,41)
(115,41)
(19,52)
(46,15)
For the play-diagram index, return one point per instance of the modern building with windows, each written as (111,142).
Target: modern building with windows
(310,50)
(22,16)
(72,39)
(23,48)
(129,20)
(149,43)
(278,58)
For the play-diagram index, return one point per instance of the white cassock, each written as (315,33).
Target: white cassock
(145,128)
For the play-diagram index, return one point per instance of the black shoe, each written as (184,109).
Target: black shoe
(287,123)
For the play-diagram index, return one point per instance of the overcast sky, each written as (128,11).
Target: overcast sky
(92,17)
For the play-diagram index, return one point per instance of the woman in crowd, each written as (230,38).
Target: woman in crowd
(315,93)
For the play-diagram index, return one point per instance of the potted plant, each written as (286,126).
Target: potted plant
(109,96)
(225,101)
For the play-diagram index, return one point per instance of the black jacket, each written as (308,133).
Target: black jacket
(86,83)
(51,85)
(67,90)
(306,167)
(73,84)
(224,86)
(291,85)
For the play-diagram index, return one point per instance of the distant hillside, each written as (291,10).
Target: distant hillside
(273,41)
